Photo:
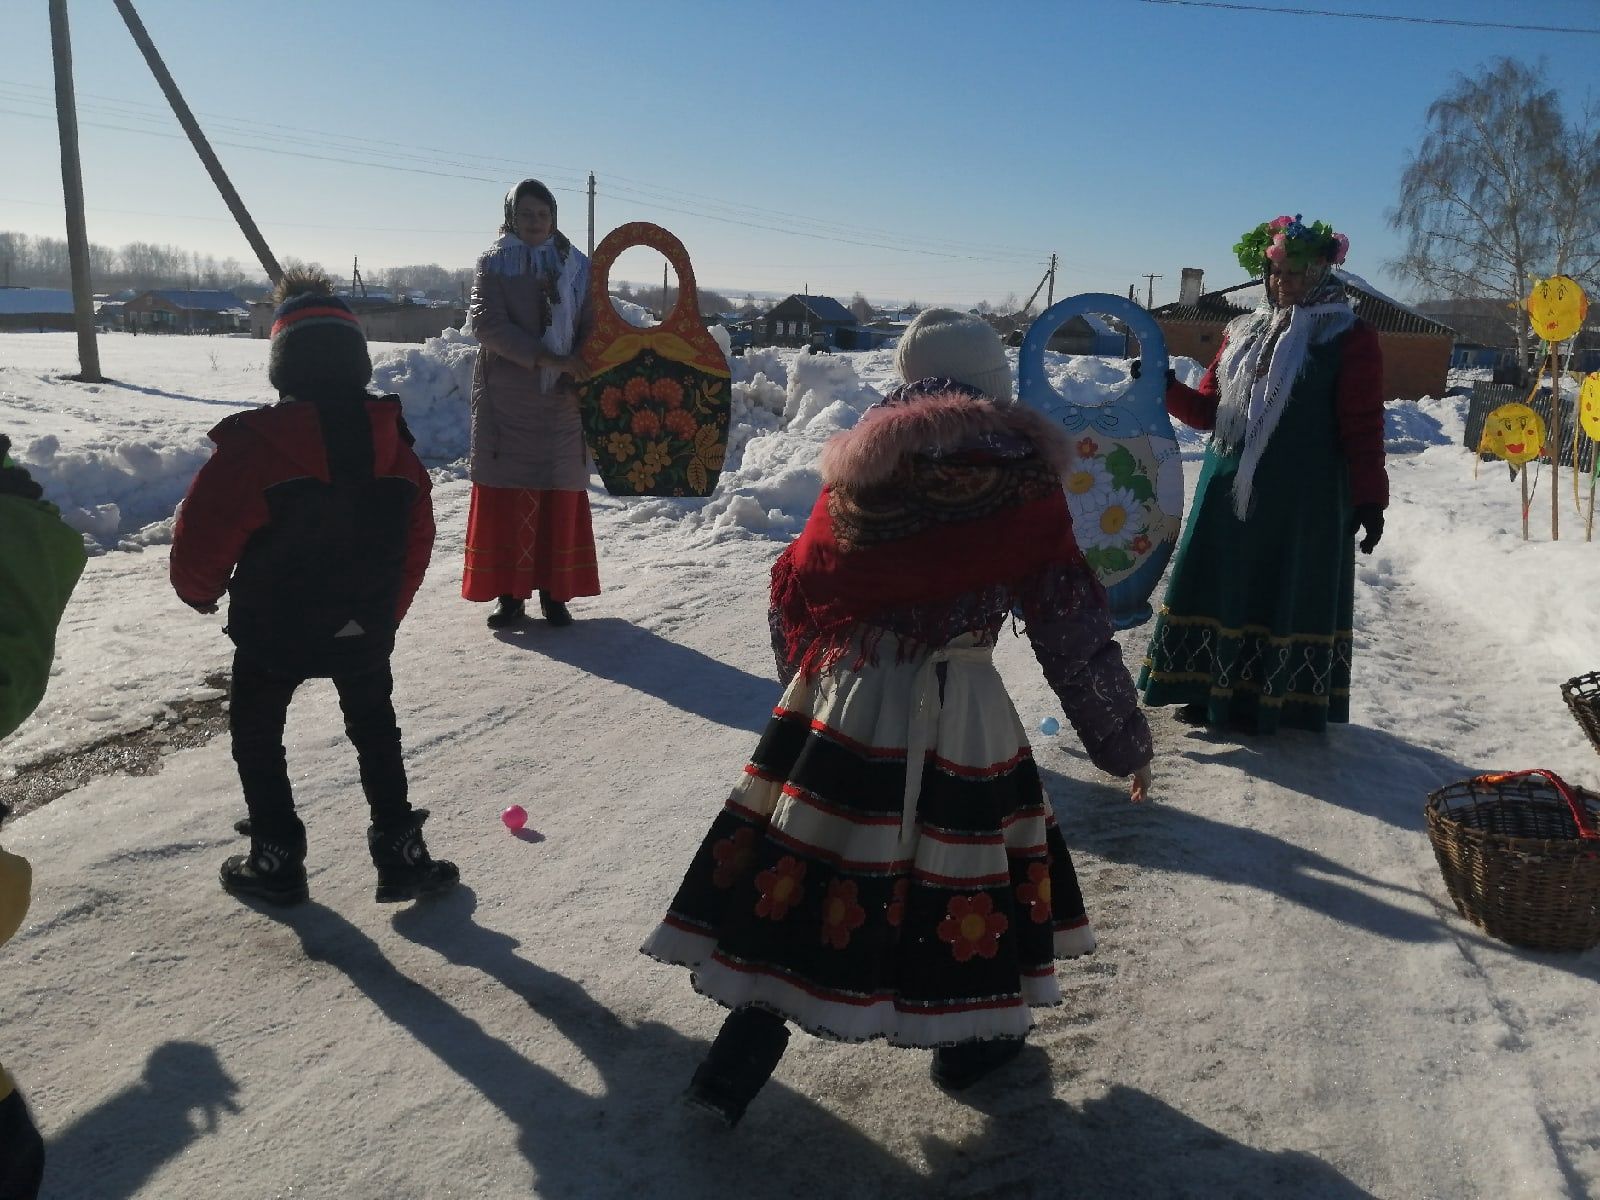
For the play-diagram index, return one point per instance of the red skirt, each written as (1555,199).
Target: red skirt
(520,539)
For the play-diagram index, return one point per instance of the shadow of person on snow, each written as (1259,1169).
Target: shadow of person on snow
(1122,1143)
(1338,768)
(1097,817)
(111,1151)
(618,650)
(634,1137)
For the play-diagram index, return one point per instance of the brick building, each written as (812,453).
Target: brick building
(1416,348)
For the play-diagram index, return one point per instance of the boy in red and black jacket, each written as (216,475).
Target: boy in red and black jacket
(316,517)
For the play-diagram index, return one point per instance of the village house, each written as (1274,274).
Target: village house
(1416,348)
(382,320)
(35,308)
(806,321)
(180,310)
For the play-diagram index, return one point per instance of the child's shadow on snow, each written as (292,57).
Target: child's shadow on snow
(112,1150)
(1123,1142)
(627,1133)
(623,1134)
(625,653)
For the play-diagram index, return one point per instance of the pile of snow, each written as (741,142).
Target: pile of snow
(120,496)
(1411,426)
(434,383)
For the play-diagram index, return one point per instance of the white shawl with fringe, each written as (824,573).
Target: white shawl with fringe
(510,255)
(1253,394)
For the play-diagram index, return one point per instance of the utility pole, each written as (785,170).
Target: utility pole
(247,226)
(591,214)
(1050,295)
(72,190)
(663,291)
(1150,289)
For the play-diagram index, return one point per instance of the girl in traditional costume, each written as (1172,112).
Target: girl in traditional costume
(528,526)
(888,866)
(1255,629)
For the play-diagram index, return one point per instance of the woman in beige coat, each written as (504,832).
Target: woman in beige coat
(529,528)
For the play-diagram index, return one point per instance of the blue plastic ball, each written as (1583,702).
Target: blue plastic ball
(1050,727)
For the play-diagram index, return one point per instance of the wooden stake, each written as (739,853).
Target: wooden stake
(1523,475)
(1588,525)
(1555,445)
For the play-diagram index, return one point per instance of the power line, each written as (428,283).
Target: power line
(669,199)
(1369,16)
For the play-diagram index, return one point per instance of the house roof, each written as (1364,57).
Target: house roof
(35,301)
(826,308)
(1372,306)
(208,300)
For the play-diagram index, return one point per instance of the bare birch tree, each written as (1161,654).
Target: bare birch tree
(1501,192)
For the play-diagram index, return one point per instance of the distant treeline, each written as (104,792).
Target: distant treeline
(27,261)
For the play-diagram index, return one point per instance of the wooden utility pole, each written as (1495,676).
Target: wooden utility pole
(198,139)
(1050,295)
(72,190)
(1150,289)
(591,214)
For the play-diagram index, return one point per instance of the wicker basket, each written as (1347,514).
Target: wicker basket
(1583,698)
(1521,857)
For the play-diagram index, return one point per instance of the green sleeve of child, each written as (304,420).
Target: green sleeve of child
(40,560)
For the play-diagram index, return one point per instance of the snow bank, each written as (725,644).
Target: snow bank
(122,495)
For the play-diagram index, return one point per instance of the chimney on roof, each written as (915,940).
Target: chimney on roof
(1192,285)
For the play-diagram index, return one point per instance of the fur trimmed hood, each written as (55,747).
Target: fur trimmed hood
(941,420)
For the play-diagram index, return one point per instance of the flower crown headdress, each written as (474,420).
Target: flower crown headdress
(1289,244)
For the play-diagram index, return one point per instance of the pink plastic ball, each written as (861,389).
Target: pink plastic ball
(515,818)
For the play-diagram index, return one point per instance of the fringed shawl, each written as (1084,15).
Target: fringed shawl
(1265,353)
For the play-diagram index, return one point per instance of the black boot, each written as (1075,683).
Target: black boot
(740,1061)
(509,612)
(1198,713)
(272,871)
(405,869)
(961,1066)
(555,612)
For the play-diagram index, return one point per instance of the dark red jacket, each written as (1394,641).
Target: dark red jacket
(1358,397)
(316,517)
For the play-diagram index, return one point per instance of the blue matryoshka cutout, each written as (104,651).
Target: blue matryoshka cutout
(1125,486)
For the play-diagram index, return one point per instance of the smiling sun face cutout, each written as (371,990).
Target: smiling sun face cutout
(1515,433)
(1556,308)
(1589,405)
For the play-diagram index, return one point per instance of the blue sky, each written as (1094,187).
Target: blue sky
(932,151)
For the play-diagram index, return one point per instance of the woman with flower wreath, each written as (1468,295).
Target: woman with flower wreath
(888,866)
(1255,629)
(528,527)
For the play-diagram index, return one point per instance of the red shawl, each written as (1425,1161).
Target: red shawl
(941,526)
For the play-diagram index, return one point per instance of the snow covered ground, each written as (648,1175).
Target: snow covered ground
(1284,1002)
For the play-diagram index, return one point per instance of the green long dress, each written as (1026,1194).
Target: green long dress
(1256,623)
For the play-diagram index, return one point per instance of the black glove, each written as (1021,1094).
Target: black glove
(1368,520)
(14,481)
(1136,370)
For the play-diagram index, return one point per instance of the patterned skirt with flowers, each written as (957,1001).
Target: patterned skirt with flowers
(830,893)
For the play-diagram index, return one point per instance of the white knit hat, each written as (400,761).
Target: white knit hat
(958,346)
